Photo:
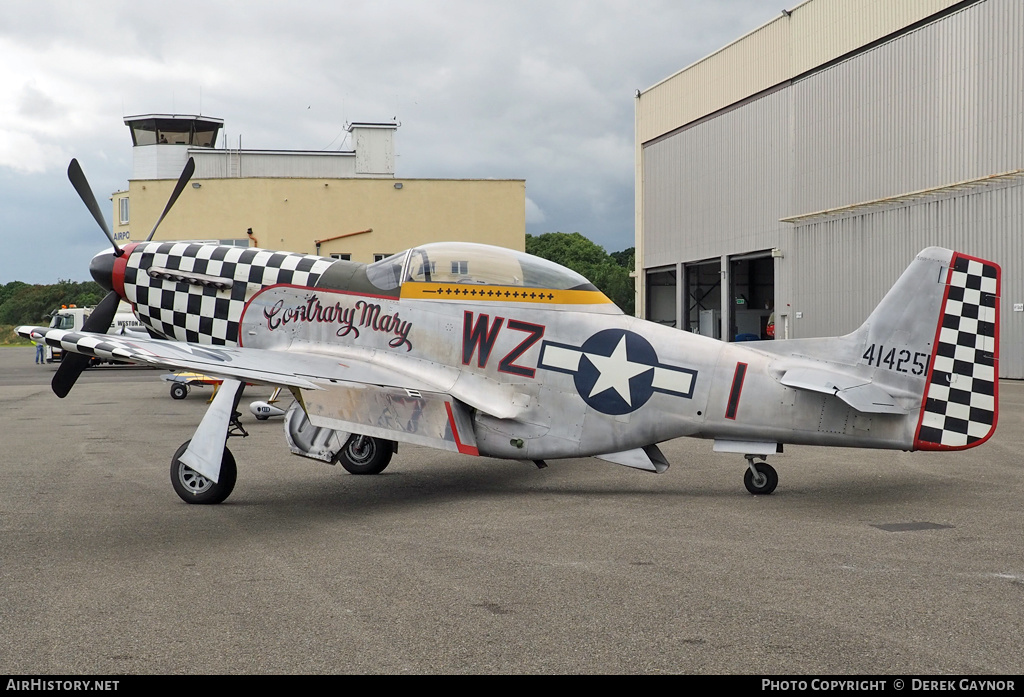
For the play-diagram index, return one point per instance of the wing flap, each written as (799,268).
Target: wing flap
(859,393)
(432,419)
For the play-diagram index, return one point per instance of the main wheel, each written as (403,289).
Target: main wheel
(365,455)
(178,390)
(193,487)
(765,481)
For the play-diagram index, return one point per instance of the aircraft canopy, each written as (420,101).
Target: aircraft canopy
(476,264)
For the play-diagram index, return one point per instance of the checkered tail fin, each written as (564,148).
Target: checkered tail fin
(960,401)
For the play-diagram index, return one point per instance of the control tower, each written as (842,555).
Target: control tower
(343,203)
(157,141)
(162,144)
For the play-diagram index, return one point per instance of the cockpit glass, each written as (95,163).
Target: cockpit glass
(386,274)
(477,264)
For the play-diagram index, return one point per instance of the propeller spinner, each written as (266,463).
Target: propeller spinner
(102,270)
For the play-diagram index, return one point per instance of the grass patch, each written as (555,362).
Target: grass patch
(9,338)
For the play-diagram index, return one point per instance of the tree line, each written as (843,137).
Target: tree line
(609,272)
(22,303)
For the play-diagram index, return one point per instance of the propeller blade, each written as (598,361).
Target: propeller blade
(186,174)
(74,363)
(81,184)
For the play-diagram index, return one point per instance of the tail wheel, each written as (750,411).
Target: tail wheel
(193,487)
(365,455)
(762,481)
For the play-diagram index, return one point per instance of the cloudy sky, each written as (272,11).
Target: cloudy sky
(541,91)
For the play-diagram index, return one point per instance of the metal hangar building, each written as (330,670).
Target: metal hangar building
(346,204)
(799,169)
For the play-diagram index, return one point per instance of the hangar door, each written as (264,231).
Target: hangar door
(742,298)
(698,297)
(704,298)
(752,295)
(661,296)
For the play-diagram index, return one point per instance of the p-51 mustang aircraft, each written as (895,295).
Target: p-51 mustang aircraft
(486,351)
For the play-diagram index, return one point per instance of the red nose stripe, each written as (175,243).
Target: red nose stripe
(120,264)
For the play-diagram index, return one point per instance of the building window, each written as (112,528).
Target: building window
(426,270)
(343,257)
(380,257)
(122,205)
(460,267)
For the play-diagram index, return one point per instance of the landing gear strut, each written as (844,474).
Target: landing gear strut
(203,470)
(760,478)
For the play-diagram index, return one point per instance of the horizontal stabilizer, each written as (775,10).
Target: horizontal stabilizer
(859,393)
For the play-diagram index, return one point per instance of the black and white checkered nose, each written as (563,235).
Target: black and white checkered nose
(102,269)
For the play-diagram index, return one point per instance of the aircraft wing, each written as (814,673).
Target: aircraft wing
(859,393)
(261,366)
(341,393)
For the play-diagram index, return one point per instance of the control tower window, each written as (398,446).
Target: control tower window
(157,130)
(204,137)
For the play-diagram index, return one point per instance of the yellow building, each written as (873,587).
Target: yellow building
(345,204)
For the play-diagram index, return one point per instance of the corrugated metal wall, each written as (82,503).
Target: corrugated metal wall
(696,91)
(813,34)
(835,296)
(936,106)
(720,187)
(939,105)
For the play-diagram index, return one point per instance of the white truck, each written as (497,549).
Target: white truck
(73,318)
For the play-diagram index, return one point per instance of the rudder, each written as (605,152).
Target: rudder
(960,405)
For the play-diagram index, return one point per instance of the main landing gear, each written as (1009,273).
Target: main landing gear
(760,477)
(365,455)
(193,487)
(208,473)
(203,470)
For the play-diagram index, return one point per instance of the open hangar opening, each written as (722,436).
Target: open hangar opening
(698,295)
(801,167)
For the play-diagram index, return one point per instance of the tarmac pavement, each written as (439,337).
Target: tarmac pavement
(861,562)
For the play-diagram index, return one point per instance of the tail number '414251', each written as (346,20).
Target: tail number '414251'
(900,360)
